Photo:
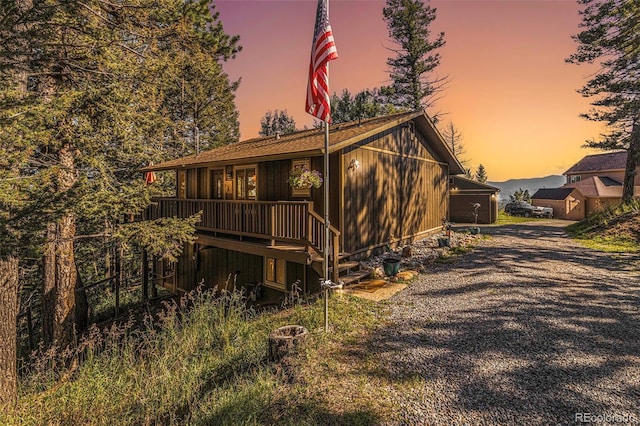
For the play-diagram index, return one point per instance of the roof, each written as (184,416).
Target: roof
(594,186)
(553,193)
(465,184)
(599,163)
(307,143)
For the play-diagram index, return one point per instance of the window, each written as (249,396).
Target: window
(575,178)
(302,163)
(275,274)
(246,183)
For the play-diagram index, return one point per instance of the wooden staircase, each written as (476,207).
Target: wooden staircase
(349,271)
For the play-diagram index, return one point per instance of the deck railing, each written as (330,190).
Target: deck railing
(283,221)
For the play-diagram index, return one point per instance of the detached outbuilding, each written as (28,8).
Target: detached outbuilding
(567,203)
(464,193)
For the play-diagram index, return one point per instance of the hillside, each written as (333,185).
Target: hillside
(614,230)
(532,184)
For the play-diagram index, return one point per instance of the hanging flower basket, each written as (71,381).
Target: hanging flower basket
(304,178)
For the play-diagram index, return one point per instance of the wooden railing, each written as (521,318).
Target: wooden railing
(285,221)
(317,241)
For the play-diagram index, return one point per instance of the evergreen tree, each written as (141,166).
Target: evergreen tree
(365,104)
(277,122)
(520,195)
(412,70)
(610,34)
(99,104)
(468,173)
(453,137)
(481,174)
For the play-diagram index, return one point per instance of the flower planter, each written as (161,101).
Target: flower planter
(444,242)
(391,266)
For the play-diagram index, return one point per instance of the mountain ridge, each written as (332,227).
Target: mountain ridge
(508,187)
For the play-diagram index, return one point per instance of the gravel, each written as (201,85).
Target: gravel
(529,328)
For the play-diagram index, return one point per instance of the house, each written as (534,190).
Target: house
(595,181)
(388,185)
(567,203)
(464,193)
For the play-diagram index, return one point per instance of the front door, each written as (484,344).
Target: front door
(217,185)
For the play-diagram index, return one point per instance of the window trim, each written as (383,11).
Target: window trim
(278,282)
(235,181)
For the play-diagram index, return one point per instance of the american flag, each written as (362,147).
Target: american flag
(323,50)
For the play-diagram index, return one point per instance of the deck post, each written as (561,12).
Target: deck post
(273,224)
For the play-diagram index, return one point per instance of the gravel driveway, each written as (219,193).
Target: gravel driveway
(529,328)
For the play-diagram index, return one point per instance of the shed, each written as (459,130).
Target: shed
(464,193)
(566,202)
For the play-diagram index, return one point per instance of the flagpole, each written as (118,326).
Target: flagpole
(327,234)
(318,104)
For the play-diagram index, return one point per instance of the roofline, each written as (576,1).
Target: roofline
(596,155)
(593,171)
(476,182)
(361,136)
(453,164)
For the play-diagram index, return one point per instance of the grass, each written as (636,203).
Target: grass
(614,230)
(203,361)
(506,219)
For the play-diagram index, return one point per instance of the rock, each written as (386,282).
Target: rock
(406,251)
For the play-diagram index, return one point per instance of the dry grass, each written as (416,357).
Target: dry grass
(204,361)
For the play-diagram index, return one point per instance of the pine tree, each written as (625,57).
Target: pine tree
(453,137)
(368,103)
(277,122)
(101,103)
(468,173)
(610,34)
(481,174)
(412,70)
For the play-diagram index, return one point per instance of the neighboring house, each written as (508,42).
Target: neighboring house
(598,181)
(464,193)
(567,203)
(609,164)
(388,185)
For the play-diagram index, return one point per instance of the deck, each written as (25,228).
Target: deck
(286,226)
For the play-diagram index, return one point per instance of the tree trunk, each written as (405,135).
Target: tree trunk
(49,285)
(59,281)
(8,332)
(633,159)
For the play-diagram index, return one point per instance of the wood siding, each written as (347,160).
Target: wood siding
(398,190)
(217,267)
(571,208)
(462,211)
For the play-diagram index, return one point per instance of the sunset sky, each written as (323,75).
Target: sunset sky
(510,93)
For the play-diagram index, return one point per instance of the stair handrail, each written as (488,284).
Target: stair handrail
(335,246)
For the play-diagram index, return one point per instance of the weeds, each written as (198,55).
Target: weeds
(202,360)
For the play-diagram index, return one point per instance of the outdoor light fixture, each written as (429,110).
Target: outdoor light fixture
(353,165)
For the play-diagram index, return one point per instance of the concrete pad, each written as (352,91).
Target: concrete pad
(381,293)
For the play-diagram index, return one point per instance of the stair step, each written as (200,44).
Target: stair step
(344,266)
(354,277)
(318,258)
